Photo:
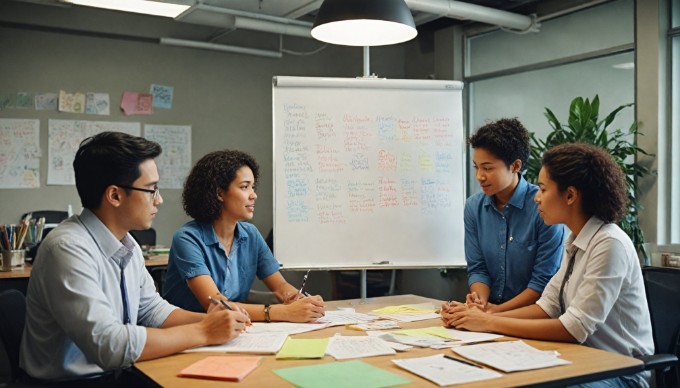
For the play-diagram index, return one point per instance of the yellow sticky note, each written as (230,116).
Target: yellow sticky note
(303,348)
(403,309)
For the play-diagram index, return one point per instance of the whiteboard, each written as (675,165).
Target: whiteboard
(368,173)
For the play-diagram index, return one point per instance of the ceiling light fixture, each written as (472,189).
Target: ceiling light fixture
(137,6)
(364,22)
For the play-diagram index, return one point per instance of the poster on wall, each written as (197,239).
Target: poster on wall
(175,161)
(64,137)
(19,153)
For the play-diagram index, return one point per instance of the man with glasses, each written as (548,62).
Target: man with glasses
(91,306)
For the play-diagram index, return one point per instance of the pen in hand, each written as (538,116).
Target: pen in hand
(304,279)
(223,303)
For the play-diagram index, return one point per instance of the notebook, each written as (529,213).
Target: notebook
(229,368)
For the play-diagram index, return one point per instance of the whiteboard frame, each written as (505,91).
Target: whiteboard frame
(363,83)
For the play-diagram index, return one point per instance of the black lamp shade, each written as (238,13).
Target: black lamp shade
(364,22)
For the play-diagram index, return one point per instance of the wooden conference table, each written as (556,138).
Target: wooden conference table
(588,364)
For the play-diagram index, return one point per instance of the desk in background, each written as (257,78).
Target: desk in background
(18,278)
(588,364)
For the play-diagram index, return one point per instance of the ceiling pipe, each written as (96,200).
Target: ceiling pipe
(478,13)
(230,18)
(220,47)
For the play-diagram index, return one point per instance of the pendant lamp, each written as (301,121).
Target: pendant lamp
(364,22)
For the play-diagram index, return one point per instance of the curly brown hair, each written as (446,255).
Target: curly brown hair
(507,139)
(593,172)
(214,171)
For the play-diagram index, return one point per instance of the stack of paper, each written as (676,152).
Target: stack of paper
(265,343)
(229,368)
(344,347)
(511,356)
(445,371)
(408,313)
(298,348)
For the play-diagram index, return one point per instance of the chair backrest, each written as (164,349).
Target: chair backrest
(662,286)
(144,237)
(12,320)
(51,216)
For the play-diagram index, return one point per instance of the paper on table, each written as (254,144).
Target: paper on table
(408,313)
(510,356)
(444,371)
(229,368)
(303,348)
(349,374)
(341,317)
(248,343)
(381,324)
(284,327)
(344,347)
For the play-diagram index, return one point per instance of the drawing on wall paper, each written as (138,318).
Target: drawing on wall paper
(8,101)
(97,104)
(162,96)
(133,103)
(46,101)
(24,100)
(71,102)
(64,137)
(19,153)
(175,161)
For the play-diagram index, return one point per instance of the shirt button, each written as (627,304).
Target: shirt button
(502,246)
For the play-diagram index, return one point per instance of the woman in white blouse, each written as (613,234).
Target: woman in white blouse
(597,297)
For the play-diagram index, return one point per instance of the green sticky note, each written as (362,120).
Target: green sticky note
(303,348)
(347,374)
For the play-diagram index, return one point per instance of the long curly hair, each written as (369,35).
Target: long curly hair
(214,171)
(593,172)
(505,138)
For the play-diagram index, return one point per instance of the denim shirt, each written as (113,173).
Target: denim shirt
(196,251)
(510,250)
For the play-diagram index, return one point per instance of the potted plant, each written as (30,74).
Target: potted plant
(584,126)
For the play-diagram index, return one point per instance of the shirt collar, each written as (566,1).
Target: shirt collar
(108,243)
(210,237)
(517,198)
(585,236)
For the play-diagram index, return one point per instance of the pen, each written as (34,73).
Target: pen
(304,279)
(214,301)
(463,361)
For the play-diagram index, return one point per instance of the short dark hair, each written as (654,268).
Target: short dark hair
(214,171)
(593,172)
(109,158)
(505,138)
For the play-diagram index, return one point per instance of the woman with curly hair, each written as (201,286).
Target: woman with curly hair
(597,296)
(510,253)
(217,256)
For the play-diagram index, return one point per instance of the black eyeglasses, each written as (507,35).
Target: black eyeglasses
(154,193)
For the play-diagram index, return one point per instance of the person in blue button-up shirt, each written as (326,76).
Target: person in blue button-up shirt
(511,254)
(217,255)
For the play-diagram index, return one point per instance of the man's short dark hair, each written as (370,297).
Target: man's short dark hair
(505,138)
(109,158)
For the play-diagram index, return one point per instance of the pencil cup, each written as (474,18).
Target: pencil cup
(11,259)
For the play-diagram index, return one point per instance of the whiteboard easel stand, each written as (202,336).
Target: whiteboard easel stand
(362,276)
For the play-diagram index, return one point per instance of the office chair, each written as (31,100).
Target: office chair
(662,286)
(52,219)
(12,320)
(144,237)
(147,238)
